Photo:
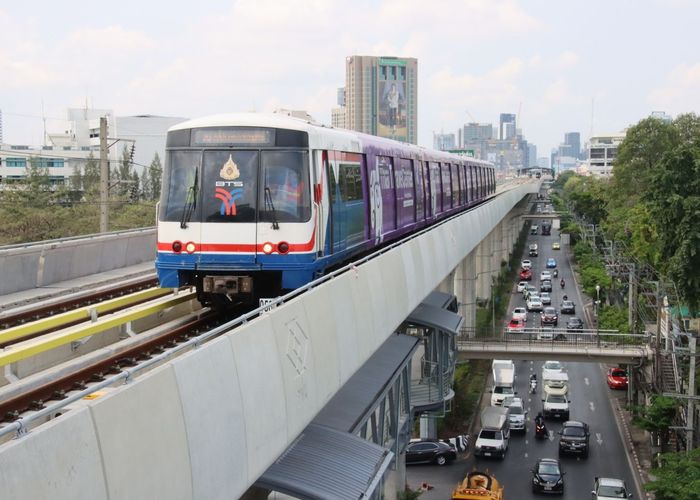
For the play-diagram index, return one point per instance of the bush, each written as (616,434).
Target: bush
(613,318)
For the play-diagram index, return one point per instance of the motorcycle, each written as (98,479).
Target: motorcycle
(555,273)
(541,429)
(562,283)
(533,385)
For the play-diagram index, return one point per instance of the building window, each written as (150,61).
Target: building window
(16,162)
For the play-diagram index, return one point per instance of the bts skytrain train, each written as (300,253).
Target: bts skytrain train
(255,204)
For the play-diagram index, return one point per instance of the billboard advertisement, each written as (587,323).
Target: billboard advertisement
(393,120)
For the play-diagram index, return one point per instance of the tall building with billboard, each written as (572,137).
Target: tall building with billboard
(381,96)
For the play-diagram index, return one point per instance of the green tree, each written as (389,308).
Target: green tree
(155,174)
(76,179)
(678,478)
(658,416)
(91,176)
(124,174)
(146,191)
(675,204)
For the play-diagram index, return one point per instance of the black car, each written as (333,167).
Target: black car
(430,452)
(567,307)
(574,438)
(549,316)
(546,286)
(574,323)
(547,477)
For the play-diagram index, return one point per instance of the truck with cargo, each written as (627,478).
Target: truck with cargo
(503,371)
(492,440)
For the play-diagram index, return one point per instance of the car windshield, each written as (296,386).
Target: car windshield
(516,410)
(574,432)
(552,365)
(549,310)
(551,398)
(519,310)
(503,390)
(612,491)
(567,303)
(549,468)
(488,434)
(619,373)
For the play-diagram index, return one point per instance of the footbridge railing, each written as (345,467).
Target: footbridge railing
(541,343)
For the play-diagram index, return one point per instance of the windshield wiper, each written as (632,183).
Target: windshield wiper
(190,202)
(268,202)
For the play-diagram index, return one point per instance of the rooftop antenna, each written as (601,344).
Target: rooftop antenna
(592,115)
(43,120)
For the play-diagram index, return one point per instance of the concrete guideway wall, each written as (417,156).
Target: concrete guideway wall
(39,264)
(209,423)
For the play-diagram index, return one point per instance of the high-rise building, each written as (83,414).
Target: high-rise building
(338,117)
(381,96)
(444,142)
(478,131)
(573,141)
(341,96)
(531,155)
(543,162)
(661,115)
(506,128)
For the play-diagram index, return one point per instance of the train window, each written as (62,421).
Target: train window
(180,187)
(435,188)
(405,202)
(455,184)
(388,189)
(229,186)
(284,187)
(446,186)
(350,181)
(420,191)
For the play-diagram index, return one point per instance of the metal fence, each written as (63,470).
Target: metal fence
(555,336)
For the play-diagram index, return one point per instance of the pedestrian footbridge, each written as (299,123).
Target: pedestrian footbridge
(536,344)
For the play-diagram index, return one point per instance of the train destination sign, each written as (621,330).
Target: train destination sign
(225,136)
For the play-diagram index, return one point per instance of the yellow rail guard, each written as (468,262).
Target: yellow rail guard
(53,340)
(82,314)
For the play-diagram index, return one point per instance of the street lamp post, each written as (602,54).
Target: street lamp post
(597,314)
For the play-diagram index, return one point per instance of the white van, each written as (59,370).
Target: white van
(556,383)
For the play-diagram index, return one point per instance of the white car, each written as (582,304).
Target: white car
(546,298)
(522,286)
(529,289)
(555,407)
(551,367)
(516,413)
(545,275)
(534,303)
(520,312)
(526,264)
(605,488)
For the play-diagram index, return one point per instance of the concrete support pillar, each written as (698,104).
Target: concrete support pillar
(465,290)
(483,287)
(428,428)
(395,479)
(448,284)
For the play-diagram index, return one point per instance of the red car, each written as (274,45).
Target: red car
(525,274)
(617,378)
(516,325)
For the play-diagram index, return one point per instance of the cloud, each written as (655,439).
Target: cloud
(679,93)
(22,74)
(112,38)
(568,59)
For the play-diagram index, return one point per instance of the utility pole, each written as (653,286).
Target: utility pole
(690,424)
(632,299)
(104,177)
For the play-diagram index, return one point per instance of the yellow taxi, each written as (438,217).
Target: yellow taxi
(556,246)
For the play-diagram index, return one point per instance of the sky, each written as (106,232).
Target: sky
(588,65)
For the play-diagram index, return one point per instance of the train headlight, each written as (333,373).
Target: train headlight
(190,247)
(268,248)
(177,246)
(283,247)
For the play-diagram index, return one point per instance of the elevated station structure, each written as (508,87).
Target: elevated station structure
(212,422)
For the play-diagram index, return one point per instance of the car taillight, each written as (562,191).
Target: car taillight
(177,246)
(283,247)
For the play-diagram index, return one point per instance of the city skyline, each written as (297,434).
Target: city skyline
(522,58)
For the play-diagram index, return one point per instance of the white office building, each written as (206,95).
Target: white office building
(602,151)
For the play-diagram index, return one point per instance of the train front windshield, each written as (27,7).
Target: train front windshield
(235,185)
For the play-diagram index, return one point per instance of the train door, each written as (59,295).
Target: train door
(346,201)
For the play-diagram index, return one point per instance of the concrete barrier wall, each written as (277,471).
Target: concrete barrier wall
(40,264)
(209,423)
